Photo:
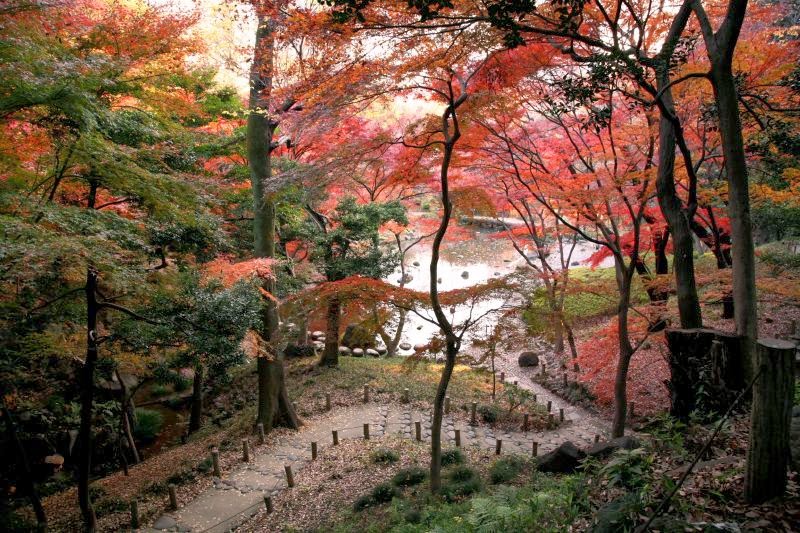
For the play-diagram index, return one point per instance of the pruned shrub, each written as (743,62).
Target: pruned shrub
(384,456)
(505,469)
(410,476)
(453,456)
(382,493)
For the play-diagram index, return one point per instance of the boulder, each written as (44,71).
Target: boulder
(382,350)
(563,460)
(319,345)
(317,334)
(419,348)
(465,274)
(405,346)
(358,335)
(358,352)
(165,523)
(528,359)
(372,353)
(344,350)
(604,449)
(415,263)
(299,350)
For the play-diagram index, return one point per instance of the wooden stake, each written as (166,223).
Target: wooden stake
(418,430)
(327,401)
(446,404)
(549,406)
(535,450)
(366,393)
(596,439)
(366,431)
(173,497)
(458,438)
(335,437)
(262,438)
(473,419)
(245,450)
(134,514)
(498,445)
(561,415)
(564,377)
(313,451)
(289,475)
(502,377)
(525,422)
(215,462)
(406,396)
(268,504)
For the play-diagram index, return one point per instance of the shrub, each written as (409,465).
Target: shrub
(628,468)
(489,413)
(462,473)
(205,465)
(462,481)
(453,456)
(148,424)
(382,493)
(409,476)
(384,456)
(505,469)
(159,390)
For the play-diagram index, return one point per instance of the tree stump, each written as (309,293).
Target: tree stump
(770,420)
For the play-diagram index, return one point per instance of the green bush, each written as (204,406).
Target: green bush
(159,390)
(489,413)
(410,476)
(505,469)
(462,473)
(148,424)
(382,493)
(628,468)
(384,456)
(461,481)
(453,456)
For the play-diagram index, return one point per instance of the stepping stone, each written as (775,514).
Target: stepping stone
(165,522)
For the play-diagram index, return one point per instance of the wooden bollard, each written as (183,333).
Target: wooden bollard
(525,422)
(596,439)
(268,504)
(458,438)
(502,377)
(245,450)
(215,462)
(446,404)
(498,446)
(335,437)
(564,378)
(294,406)
(549,406)
(134,514)
(173,497)
(535,450)
(327,401)
(366,431)
(561,415)
(313,451)
(770,420)
(516,383)
(406,396)
(418,430)
(289,475)
(473,419)
(366,393)
(262,437)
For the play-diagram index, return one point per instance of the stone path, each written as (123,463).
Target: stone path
(238,495)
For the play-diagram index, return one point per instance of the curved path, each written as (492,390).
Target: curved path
(238,495)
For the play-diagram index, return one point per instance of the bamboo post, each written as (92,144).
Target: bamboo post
(173,497)
(215,462)
(262,438)
(770,420)
(498,446)
(335,437)
(366,431)
(418,430)
(245,450)
(313,450)
(458,438)
(535,450)
(327,401)
(473,419)
(289,475)
(134,514)
(268,504)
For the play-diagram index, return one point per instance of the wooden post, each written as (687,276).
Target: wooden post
(551,420)
(526,422)
(245,451)
(262,438)
(173,497)
(516,383)
(215,462)
(576,367)
(549,406)
(366,393)
(535,398)
(268,504)
(564,378)
(313,451)
(631,409)
(418,430)
(366,431)
(406,396)
(335,437)
(458,438)
(472,417)
(535,450)
(327,401)
(544,369)
(446,404)
(596,438)
(502,377)
(134,514)
(561,415)
(498,446)
(770,421)
(289,475)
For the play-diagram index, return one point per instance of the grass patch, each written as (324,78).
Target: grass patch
(384,456)
(409,477)
(506,469)
(148,424)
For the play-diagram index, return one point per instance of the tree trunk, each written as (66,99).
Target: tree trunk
(274,406)
(25,476)
(125,422)
(770,421)
(87,402)
(196,414)
(438,413)
(625,354)
(330,355)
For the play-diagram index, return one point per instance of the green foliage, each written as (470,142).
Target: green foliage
(461,482)
(506,469)
(148,424)
(382,493)
(453,456)
(384,456)
(409,477)
(489,413)
(628,469)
